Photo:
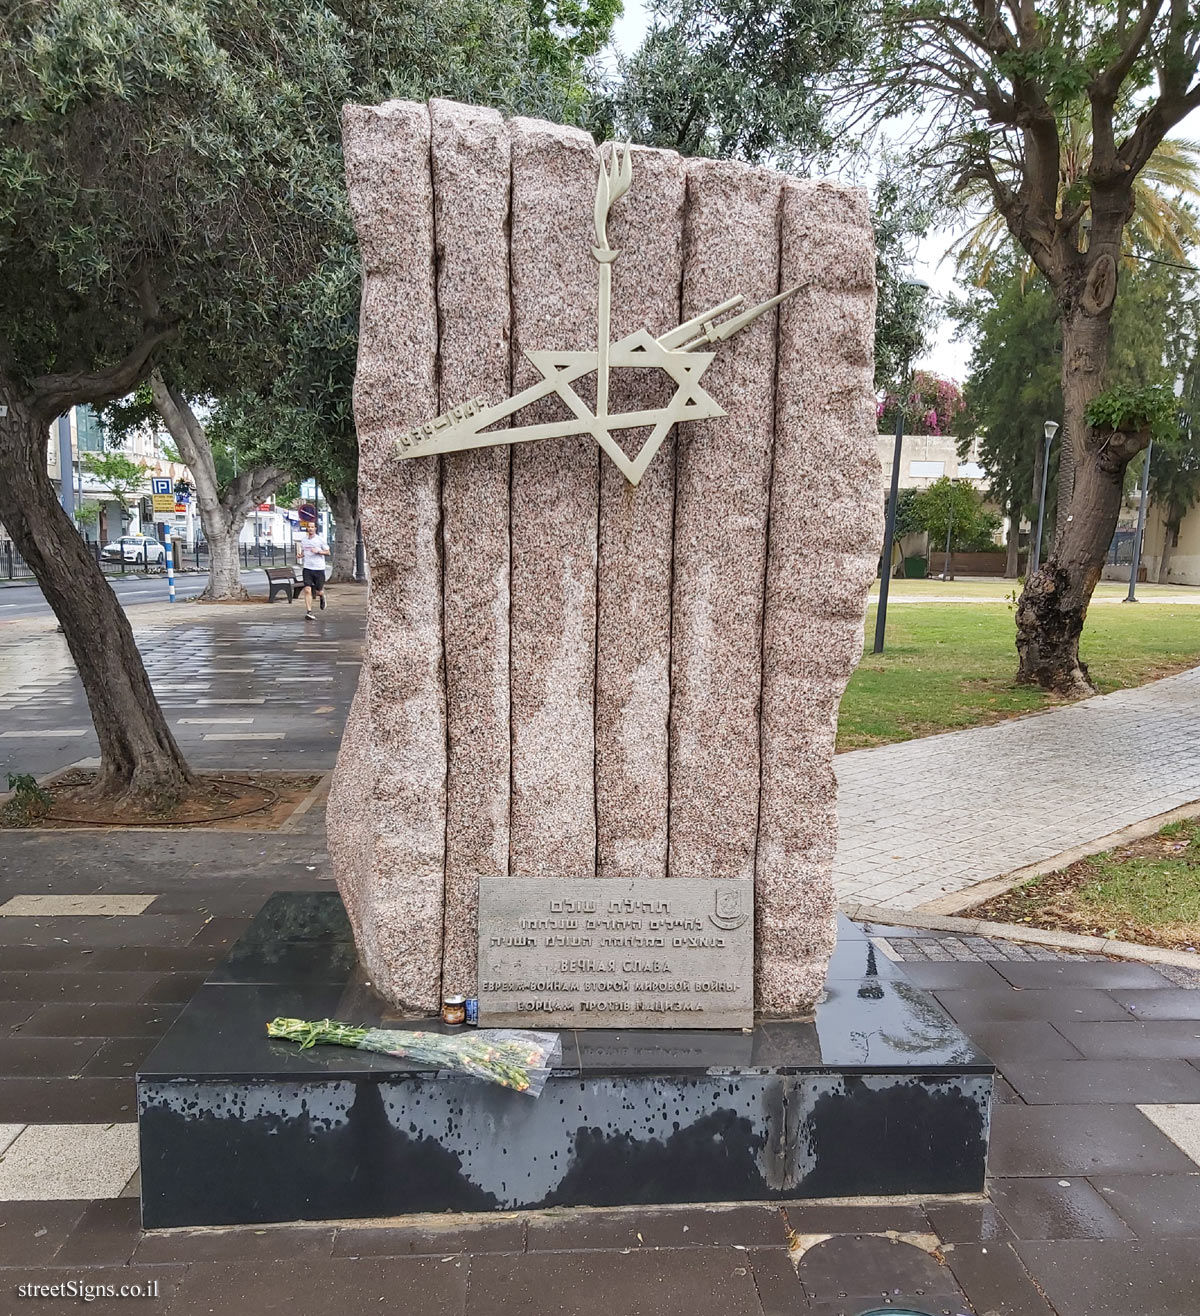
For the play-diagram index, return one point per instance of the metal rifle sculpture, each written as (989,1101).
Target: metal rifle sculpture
(467,425)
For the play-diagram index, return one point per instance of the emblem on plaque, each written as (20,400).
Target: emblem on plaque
(731,908)
(469,425)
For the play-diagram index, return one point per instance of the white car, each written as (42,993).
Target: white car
(134,548)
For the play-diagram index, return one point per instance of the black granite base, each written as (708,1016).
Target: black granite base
(880,1094)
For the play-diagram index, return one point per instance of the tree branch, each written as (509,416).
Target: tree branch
(51,395)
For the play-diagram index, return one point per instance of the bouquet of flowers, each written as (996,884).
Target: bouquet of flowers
(511,1057)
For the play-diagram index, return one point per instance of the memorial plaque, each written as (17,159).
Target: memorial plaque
(609,953)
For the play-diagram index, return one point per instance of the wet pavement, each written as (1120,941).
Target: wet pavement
(1092,1206)
(242,685)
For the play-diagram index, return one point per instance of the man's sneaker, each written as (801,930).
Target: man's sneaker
(322,602)
(308,616)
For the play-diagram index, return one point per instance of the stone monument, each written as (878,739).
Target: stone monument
(621,501)
(567,674)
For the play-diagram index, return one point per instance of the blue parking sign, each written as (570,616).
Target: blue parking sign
(160,485)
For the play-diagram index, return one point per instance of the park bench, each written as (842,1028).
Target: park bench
(282,579)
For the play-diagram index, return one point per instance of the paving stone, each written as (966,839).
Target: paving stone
(1154,1205)
(1059,1141)
(866,1264)
(105,1235)
(1052,1082)
(174,987)
(1005,1003)
(32,1232)
(934,975)
(13,1014)
(1153,733)
(1056,1208)
(51,906)
(43,1057)
(46,959)
(776,1283)
(67,1100)
(141,929)
(323,1287)
(747,1226)
(450,1236)
(244,1243)
(57,987)
(1165,1003)
(160,959)
(656,1282)
(104,1020)
(820,1218)
(995,1280)
(68,1161)
(1072,973)
(92,1286)
(968,1222)
(1160,1039)
(1021,1039)
(1180,1122)
(120,1057)
(1085,1277)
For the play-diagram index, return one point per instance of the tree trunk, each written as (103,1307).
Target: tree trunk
(1012,564)
(345,517)
(1171,518)
(224,563)
(1054,604)
(138,754)
(222,513)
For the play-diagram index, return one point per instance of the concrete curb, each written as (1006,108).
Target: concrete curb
(957,901)
(977,927)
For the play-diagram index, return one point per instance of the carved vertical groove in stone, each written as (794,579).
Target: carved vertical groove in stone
(731,245)
(471,168)
(555,494)
(633,636)
(389,852)
(824,544)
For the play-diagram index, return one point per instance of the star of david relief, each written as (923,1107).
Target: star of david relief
(674,352)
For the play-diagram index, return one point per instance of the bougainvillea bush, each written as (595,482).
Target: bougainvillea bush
(930,406)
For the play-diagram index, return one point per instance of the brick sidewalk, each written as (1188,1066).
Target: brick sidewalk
(928,817)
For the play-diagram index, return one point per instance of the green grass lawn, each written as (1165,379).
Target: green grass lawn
(951,665)
(1147,892)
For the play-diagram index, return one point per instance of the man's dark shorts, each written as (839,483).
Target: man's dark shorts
(315,579)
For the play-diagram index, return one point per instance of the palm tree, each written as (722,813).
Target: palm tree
(1162,220)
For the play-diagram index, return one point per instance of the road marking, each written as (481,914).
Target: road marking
(231,671)
(303,678)
(73,906)
(213,721)
(260,700)
(244,735)
(42,735)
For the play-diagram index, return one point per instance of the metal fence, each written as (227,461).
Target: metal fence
(12,565)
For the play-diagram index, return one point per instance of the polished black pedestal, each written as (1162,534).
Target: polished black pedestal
(880,1094)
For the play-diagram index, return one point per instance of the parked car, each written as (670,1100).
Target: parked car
(134,548)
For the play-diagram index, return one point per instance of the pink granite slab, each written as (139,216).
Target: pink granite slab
(825,523)
(633,637)
(471,166)
(391,878)
(555,498)
(731,245)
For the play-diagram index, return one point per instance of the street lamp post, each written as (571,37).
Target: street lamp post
(1050,429)
(947,573)
(1131,597)
(889,531)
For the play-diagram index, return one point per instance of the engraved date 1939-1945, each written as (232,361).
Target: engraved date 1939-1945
(414,437)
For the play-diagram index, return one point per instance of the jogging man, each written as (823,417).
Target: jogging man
(311,550)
